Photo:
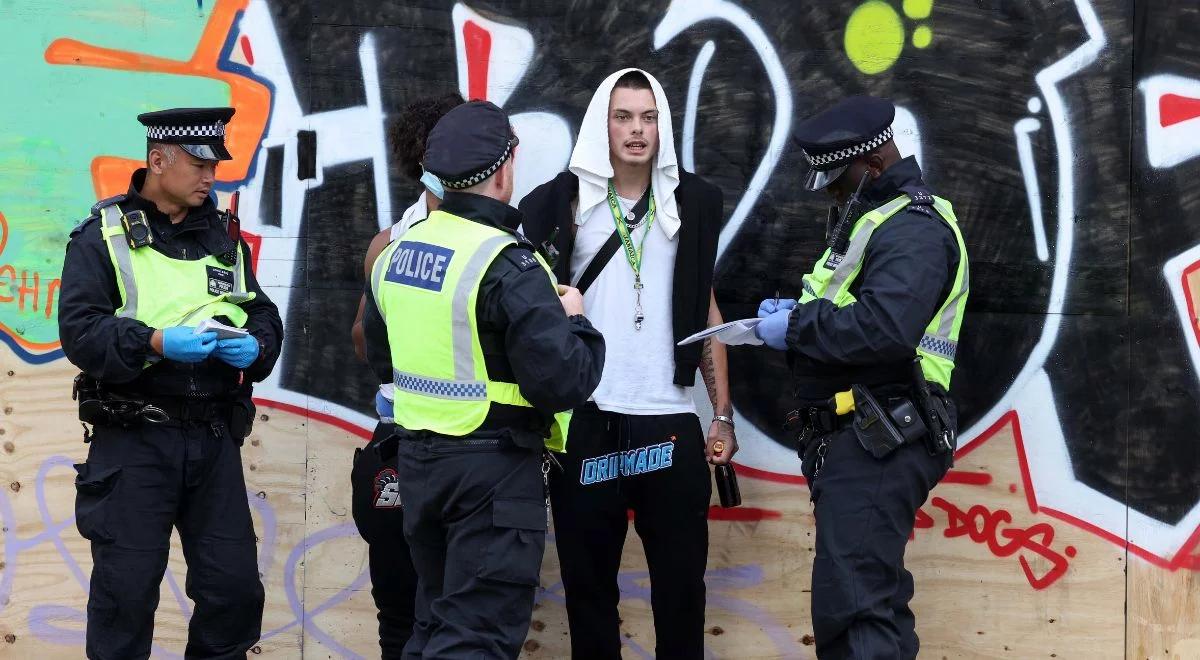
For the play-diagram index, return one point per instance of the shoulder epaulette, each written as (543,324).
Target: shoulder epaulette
(100,205)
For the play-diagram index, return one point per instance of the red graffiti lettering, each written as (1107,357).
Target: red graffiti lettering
(983,526)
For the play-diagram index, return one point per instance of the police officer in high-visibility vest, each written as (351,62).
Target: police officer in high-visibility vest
(871,344)
(168,408)
(483,349)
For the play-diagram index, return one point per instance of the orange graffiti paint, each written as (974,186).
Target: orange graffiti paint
(110,175)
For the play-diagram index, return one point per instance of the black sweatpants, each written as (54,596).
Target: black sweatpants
(379,516)
(865,512)
(653,465)
(475,521)
(136,484)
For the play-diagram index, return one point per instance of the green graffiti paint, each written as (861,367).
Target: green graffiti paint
(922,36)
(918,9)
(63,117)
(874,37)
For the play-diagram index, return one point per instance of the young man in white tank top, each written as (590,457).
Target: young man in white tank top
(638,445)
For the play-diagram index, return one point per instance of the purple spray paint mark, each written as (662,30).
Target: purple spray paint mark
(289,585)
(180,598)
(270,529)
(42,620)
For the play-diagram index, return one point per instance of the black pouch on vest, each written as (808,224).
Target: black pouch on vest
(241,418)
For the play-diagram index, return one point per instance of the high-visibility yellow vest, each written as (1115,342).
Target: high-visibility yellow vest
(163,292)
(831,280)
(425,286)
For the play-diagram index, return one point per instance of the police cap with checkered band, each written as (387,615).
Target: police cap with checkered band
(832,139)
(469,144)
(198,131)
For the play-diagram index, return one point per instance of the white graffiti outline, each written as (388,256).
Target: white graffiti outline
(344,136)
(681,15)
(1022,130)
(693,104)
(1031,395)
(546,140)
(1165,147)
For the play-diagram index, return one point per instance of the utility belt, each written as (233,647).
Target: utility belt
(881,424)
(479,439)
(99,407)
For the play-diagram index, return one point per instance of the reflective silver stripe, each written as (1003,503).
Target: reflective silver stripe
(377,271)
(858,246)
(388,420)
(458,390)
(850,262)
(939,346)
(464,356)
(110,217)
(951,307)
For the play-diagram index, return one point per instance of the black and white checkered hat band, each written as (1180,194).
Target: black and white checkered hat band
(480,176)
(216,130)
(834,159)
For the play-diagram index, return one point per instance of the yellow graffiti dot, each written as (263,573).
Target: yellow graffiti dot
(922,36)
(918,9)
(874,37)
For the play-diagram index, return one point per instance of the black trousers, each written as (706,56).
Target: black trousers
(136,484)
(376,505)
(653,465)
(865,512)
(475,521)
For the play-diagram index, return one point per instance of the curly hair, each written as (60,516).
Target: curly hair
(408,133)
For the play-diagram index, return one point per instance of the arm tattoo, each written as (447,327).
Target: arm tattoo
(708,371)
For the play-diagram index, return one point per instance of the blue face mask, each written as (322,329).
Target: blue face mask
(433,184)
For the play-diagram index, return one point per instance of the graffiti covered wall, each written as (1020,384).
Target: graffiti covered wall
(1066,133)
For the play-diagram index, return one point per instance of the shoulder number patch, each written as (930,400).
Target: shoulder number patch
(525,261)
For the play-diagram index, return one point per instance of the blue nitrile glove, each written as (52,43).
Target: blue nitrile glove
(240,352)
(773,328)
(383,406)
(771,305)
(182,344)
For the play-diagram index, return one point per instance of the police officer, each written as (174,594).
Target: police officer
(374,489)
(483,349)
(878,321)
(169,408)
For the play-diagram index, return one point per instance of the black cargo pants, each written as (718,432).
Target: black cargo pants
(136,485)
(475,521)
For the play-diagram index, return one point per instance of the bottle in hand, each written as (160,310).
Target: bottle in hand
(727,486)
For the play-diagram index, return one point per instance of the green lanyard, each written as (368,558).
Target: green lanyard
(632,254)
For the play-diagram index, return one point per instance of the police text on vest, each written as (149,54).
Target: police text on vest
(419,264)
